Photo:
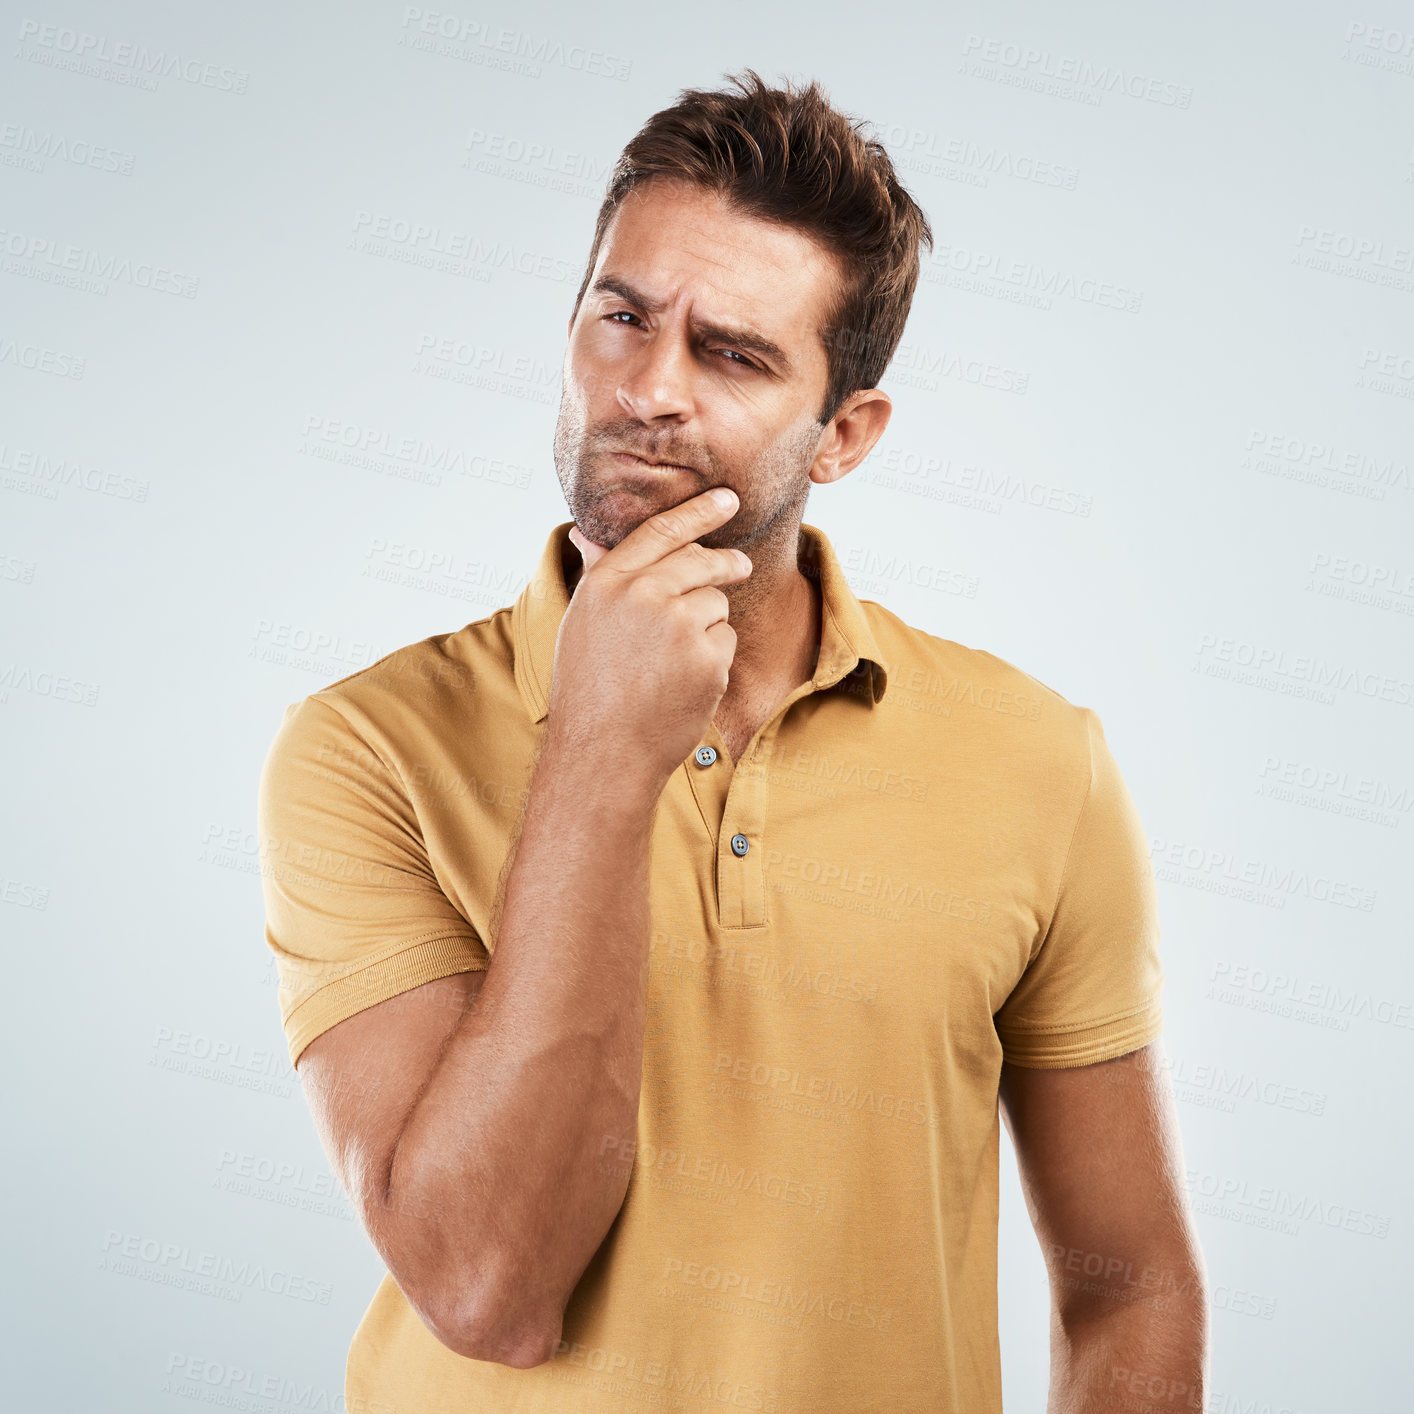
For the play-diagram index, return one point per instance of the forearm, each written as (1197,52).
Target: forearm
(1146,1355)
(507,1175)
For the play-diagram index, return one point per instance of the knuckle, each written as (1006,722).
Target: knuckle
(640,589)
(668,525)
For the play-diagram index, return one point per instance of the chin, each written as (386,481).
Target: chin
(614,514)
(606,530)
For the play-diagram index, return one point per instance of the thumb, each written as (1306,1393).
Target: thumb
(589,551)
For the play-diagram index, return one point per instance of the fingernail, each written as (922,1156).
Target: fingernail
(724,497)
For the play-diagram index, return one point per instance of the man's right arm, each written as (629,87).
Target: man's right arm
(487,1137)
(494,1151)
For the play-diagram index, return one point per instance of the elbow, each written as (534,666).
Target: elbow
(476,1313)
(521,1348)
(490,1330)
(480,1311)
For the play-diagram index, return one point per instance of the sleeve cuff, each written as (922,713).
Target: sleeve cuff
(1060,1047)
(377,982)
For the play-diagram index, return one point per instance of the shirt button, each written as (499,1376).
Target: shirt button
(740,844)
(705,755)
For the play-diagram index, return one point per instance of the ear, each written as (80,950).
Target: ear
(851,434)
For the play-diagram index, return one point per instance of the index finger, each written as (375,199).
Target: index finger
(673,528)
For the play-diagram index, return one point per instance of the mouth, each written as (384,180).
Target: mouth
(630,459)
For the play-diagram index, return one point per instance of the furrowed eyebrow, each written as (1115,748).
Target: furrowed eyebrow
(749,340)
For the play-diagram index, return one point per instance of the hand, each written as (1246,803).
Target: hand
(644,649)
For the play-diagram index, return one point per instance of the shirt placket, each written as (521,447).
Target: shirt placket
(734,800)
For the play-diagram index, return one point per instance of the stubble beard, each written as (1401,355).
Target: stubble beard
(783,468)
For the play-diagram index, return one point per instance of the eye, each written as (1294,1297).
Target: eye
(613,314)
(732,354)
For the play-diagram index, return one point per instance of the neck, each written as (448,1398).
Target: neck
(776,614)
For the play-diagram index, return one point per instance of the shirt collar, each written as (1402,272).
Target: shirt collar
(847,644)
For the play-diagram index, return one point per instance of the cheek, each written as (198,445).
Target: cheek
(764,474)
(589,368)
(747,407)
(580,364)
(743,424)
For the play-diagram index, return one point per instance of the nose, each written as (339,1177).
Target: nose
(657,384)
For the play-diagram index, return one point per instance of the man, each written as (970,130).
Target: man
(655,951)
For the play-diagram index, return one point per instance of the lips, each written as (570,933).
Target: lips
(648,461)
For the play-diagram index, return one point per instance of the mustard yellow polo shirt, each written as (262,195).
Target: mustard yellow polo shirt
(928,863)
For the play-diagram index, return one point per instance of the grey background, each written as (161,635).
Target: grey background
(1168,322)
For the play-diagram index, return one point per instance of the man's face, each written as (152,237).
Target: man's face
(696,345)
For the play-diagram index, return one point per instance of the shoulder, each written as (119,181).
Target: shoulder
(972,692)
(437,681)
(367,727)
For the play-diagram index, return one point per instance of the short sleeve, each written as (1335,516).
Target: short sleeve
(353,910)
(1092,989)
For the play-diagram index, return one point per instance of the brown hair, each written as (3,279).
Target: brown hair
(786,155)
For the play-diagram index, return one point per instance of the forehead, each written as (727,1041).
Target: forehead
(677,242)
